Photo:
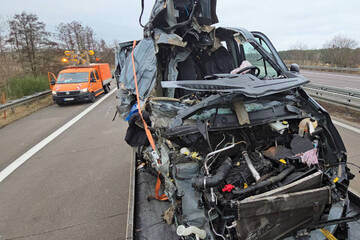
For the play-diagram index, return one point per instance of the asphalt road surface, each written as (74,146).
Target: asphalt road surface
(351,138)
(76,186)
(341,80)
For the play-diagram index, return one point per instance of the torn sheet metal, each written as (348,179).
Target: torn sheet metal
(231,151)
(168,38)
(145,65)
(181,56)
(125,101)
(163,111)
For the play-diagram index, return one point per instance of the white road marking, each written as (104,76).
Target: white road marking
(23,158)
(331,74)
(348,127)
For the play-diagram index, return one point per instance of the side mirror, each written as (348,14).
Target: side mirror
(294,68)
(52,82)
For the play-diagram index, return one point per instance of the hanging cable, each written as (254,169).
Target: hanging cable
(141,14)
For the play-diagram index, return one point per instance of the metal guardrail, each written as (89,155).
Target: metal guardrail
(342,96)
(23,100)
(340,69)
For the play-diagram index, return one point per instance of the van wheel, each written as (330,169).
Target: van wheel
(92,97)
(106,89)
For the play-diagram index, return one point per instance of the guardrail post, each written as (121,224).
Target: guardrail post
(3,101)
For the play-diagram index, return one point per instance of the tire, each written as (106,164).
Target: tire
(92,97)
(106,89)
(60,104)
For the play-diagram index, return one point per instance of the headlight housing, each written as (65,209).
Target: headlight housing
(84,90)
(53,92)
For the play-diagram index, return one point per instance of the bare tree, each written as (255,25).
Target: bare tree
(340,41)
(8,65)
(105,52)
(299,46)
(27,36)
(75,36)
(340,51)
(298,52)
(2,37)
(357,57)
(90,38)
(2,59)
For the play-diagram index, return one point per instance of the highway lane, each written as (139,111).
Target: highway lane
(76,187)
(341,80)
(18,137)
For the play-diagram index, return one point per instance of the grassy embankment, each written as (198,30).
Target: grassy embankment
(18,87)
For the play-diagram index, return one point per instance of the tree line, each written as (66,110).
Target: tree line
(340,51)
(27,47)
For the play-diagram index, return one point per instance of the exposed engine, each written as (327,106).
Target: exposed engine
(266,180)
(225,134)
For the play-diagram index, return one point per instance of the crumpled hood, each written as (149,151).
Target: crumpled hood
(70,86)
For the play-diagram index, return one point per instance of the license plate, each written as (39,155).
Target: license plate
(68,99)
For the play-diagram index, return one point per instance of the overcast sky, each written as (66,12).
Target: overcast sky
(286,23)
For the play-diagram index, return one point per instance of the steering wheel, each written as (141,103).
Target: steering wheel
(254,70)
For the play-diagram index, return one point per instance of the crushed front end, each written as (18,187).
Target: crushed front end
(244,168)
(241,151)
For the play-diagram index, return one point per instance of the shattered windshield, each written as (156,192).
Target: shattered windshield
(256,59)
(76,77)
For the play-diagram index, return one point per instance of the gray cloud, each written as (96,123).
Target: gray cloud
(285,22)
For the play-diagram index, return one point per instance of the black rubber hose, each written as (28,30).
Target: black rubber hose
(212,181)
(265,183)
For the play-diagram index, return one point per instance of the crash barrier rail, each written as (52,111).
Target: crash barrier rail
(24,100)
(342,96)
(331,69)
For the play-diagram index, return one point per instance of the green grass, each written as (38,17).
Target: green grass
(20,86)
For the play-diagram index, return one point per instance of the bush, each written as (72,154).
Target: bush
(20,86)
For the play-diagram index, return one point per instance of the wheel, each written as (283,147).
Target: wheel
(106,89)
(60,104)
(92,97)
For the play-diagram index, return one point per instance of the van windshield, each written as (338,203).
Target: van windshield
(76,77)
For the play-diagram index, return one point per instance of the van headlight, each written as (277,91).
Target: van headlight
(84,90)
(53,92)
